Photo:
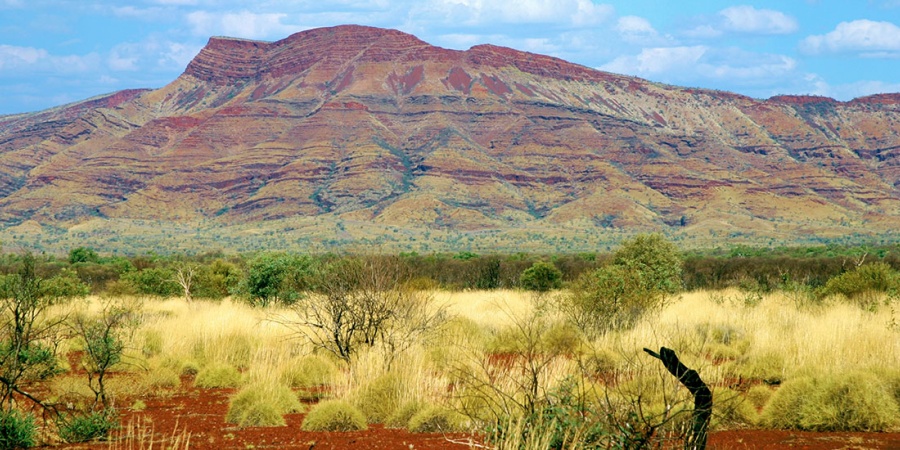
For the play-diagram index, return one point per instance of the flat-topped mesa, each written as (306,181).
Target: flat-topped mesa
(878,99)
(802,99)
(225,60)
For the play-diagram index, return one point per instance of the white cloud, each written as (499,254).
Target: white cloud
(690,64)
(12,57)
(634,24)
(123,58)
(579,13)
(177,55)
(24,60)
(864,37)
(747,19)
(740,20)
(242,24)
(655,61)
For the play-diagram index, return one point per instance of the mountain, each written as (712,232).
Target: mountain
(358,134)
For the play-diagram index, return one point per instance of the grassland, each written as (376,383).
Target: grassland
(507,354)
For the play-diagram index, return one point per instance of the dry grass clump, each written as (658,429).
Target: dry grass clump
(380,398)
(262,405)
(218,375)
(400,417)
(855,401)
(334,415)
(437,419)
(309,371)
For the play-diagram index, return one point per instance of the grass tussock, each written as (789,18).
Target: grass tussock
(437,419)
(309,371)
(218,376)
(855,401)
(334,415)
(262,405)
(379,399)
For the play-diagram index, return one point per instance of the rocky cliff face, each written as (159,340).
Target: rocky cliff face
(367,125)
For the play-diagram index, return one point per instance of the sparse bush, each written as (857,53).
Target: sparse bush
(436,419)
(104,343)
(262,405)
(334,415)
(87,427)
(218,376)
(17,430)
(541,277)
(363,302)
(855,401)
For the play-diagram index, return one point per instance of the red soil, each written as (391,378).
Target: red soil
(198,416)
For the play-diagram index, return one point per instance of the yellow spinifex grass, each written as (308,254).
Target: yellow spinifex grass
(722,336)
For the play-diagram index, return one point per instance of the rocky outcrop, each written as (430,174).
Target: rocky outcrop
(375,125)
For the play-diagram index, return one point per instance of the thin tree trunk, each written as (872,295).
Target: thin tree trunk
(703,400)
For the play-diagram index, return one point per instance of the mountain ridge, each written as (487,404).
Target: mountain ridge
(368,126)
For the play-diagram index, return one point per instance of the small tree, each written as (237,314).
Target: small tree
(643,273)
(277,277)
(83,255)
(184,276)
(657,260)
(541,277)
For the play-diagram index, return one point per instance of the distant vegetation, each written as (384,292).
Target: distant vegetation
(262,278)
(541,351)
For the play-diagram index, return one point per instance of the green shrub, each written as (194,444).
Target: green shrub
(262,405)
(864,284)
(17,430)
(334,415)
(855,401)
(658,261)
(436,419)
(83,428)
(541,277)
(277,277)
(309,371)
(643,273)
(218,376)
(380,398)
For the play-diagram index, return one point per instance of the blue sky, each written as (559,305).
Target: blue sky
(58,51)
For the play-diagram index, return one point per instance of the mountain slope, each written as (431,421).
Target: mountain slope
(370,126)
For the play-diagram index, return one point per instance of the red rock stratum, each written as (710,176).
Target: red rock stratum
(363,125)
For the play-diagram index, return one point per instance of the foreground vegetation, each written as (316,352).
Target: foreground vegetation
(529,352)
